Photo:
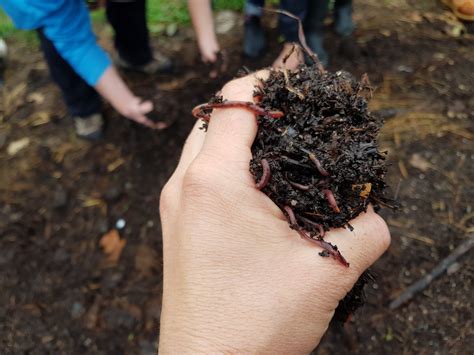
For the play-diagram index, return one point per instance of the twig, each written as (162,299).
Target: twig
(424,282)
(289,87)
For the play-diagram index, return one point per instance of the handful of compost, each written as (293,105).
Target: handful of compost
(316,154)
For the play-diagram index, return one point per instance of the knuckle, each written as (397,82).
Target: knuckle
(381,232)
(204,183)
(376,242)
(196,180)
(168,198)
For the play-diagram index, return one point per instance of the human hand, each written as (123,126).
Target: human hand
(290,57)
(236,277)
(208,49)
(115,91)
(137,110)
(215,58)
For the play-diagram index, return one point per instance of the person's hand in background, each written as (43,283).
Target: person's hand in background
(290,57)
(117,93)
(236,277)
(203,23)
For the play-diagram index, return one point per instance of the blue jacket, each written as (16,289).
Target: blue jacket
(67,24)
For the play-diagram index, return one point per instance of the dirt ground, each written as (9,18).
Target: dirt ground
(60,293)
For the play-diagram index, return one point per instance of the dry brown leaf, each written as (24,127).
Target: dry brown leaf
(91,202)
(403,169)
(14,98)
(60,152)
(115,165)
(14,147)
(41,118)
(112,246)
(364,189)
(35,97)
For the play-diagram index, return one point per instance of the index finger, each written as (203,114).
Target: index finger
(232,131)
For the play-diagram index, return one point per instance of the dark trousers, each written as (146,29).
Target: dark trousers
(288,27)
(311,12)
(128,18)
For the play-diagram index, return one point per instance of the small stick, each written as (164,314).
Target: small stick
(288,55)
(328,248)
(198,111)
(266,174)
(289,87)
(332,200)
(424,282)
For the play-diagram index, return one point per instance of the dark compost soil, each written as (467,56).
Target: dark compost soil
(59,195)
(315,154)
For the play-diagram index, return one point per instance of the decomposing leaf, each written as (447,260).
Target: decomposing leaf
(91,202)
(417,161)
(14,98)
(15,146)
(403,169)
(61,150)
(115,165)
(112,246)
(35,97)
(38,119)
(364,189)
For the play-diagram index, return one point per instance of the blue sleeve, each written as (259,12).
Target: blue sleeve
(67,24)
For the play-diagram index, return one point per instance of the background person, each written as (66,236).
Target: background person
(81,68)
(311,13)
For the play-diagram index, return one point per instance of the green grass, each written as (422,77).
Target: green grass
(159,13)
(6,26)
(176,11)
(8,30)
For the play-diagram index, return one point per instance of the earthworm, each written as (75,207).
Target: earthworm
(198,111)
(321,230)
(266,174)
(328,248)
(332,200)
(299,186)
(318,165)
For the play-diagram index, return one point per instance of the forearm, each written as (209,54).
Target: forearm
(113,89)
(203,21)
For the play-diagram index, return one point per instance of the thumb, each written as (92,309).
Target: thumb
(145,107)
